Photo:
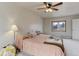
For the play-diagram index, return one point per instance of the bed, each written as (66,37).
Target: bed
(35,46)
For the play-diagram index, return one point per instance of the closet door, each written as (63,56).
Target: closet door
(75,29)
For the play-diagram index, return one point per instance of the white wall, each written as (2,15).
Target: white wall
(11,14)
(27,21)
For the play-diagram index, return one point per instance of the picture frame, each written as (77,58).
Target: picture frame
(58,26)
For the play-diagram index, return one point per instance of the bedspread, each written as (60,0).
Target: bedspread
(36,48)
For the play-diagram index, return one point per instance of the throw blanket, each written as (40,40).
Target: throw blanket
(8,51)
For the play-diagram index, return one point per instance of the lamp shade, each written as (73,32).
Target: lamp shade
(14,28)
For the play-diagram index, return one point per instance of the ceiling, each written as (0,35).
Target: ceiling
(68,8)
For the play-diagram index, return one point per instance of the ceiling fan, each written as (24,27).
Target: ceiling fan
(49,7)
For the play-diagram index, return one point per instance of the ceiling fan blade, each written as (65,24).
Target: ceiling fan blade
(41,8)
(60,3)
(55,9)
(45,3)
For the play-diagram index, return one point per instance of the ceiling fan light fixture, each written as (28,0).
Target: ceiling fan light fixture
(46,10)
(49,10)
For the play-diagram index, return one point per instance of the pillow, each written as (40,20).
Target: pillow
(51,37)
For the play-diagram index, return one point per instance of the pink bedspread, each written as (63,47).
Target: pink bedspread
(37,48)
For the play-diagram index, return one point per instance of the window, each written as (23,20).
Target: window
(58,26)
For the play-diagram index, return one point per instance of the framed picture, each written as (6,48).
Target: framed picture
(58,26)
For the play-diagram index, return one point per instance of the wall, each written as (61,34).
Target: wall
(11,14)
(28,21)
(67,34)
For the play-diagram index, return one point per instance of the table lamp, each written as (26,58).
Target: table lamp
(14,29)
